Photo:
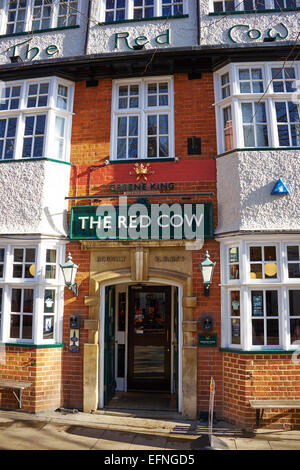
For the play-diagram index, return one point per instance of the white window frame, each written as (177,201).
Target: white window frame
(282,284)
(51,111)
(143,111)
(239,6)
(28,21)
(39,284)
(237,98)
(129,10)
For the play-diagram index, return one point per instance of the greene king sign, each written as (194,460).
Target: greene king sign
(140,221)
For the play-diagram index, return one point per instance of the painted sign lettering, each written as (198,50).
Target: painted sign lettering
(280,32)
(123,39)
(31,53)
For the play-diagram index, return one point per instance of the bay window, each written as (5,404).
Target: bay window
(119,10)
(142,119)
(35,119)
(255,106)
(31,294)
(20,16)
(261,295)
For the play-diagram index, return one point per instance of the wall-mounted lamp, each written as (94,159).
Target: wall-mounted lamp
(69,270)
(207,269)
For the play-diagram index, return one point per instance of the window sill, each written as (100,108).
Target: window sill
(15,160)
(258,351)
(255,149)
(39,31)
(137,20)
(249,12)
(36,346)
(143,160)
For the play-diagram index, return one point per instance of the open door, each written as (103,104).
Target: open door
(109,345)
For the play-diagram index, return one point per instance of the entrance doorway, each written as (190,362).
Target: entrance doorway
(149,339)
(141,346)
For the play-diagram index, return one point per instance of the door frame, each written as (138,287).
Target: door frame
(152,282)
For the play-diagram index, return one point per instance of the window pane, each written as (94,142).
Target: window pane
(257,300)
(255,253)
(235,303)
(28,301)
(48,327)
(295,330)
(258,332)
(30,255)
(294,270)
(16,300)
(271,303)
(294,300)
(235,331)
(15,326)
(27,327)
(49,301)
(256,271)
(272,332)
(17,270)
(51,256)
(18,254)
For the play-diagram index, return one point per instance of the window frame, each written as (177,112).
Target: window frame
(28,21)
(143,111)
(39,284)
(239,6)
(236,98)
(51,110)
(282,284)
(129,11)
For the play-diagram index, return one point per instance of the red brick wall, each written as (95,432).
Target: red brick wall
(41,367)
(194,116)
(269,376)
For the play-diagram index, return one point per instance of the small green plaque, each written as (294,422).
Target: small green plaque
(207,340)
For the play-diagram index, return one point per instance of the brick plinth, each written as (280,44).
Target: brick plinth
(260,376)
(41,367)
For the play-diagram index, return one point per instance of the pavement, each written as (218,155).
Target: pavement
(122,431)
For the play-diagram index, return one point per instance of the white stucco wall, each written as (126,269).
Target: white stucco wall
(32,197)
(244,184)
(69,42)
(183,32)
(214,29)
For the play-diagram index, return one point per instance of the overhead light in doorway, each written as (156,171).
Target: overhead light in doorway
(207,268)
(69,270)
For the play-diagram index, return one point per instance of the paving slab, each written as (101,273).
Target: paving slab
(114,440)
(252,444)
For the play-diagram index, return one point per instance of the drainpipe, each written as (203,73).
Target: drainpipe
(198,22)
(87,27)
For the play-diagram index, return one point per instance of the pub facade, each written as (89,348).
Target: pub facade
(150,141)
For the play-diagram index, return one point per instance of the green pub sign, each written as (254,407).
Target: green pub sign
(140,221)
(207,340)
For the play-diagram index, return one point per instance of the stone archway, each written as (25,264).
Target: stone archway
(112,263)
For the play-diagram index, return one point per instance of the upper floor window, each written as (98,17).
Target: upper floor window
(33,15)
(256,106)
(253,5)
(118,10)
(35,119)
(142,119)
